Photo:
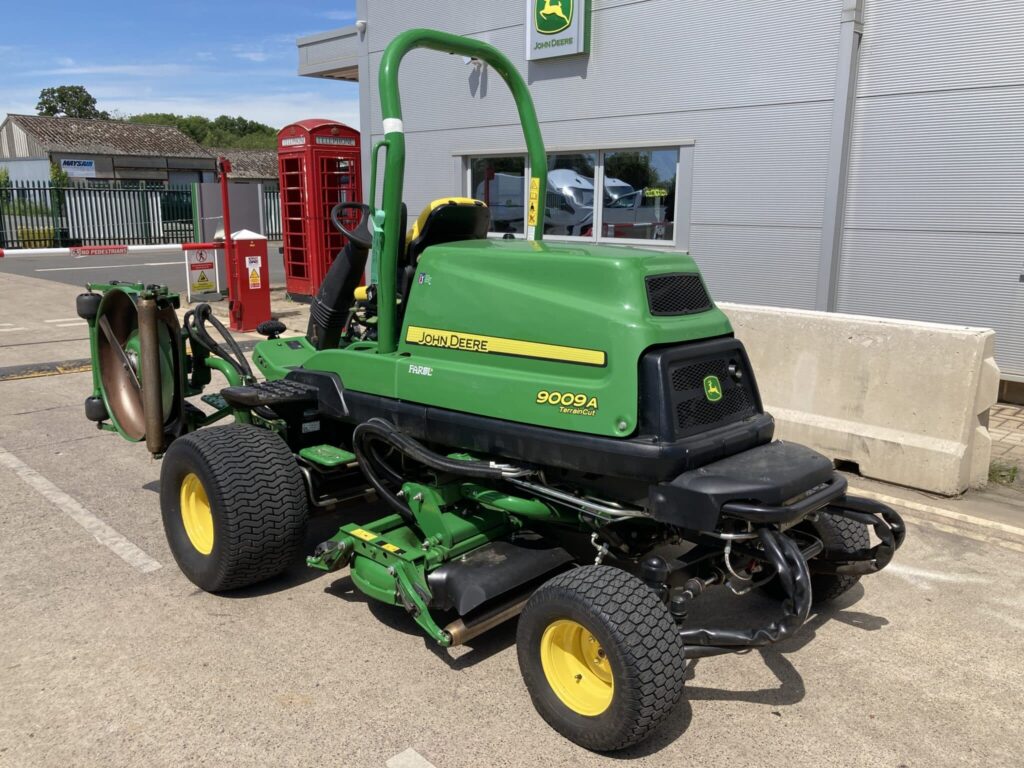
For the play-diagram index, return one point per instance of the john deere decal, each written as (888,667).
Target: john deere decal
(556,28)
(712,389)
(552,16)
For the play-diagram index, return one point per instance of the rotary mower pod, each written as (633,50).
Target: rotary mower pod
(567,433)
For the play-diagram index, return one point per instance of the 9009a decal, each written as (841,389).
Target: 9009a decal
(575,403)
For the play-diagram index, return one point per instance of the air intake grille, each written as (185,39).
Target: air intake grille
(694,409)
(681,294)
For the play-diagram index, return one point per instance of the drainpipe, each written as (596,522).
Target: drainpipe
(843,102)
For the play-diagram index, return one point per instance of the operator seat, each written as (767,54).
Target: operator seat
(446,220)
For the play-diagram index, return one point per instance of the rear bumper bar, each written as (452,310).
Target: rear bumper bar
(793,572)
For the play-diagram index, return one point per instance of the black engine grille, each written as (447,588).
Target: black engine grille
(692,406)
(677,294)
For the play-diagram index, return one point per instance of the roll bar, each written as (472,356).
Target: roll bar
(393,142)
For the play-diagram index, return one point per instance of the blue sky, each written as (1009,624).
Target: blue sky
(206,58)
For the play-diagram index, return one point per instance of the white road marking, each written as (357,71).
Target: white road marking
(8,330)
(62,320)
(4,325)
(912,574)
(114,266)
(102,532)
(941,512)
(72,325)
(408,759)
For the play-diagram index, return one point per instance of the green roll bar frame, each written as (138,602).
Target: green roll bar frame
(386,222)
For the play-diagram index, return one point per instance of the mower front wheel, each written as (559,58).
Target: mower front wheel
(601,657)
(234,506)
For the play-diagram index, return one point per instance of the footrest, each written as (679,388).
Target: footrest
(215,400)
(271,393)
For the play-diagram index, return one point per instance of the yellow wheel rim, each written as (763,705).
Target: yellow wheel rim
(196,514)
(576,667)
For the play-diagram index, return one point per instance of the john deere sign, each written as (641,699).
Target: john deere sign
(557,28)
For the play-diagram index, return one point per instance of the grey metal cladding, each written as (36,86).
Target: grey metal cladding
(934,219)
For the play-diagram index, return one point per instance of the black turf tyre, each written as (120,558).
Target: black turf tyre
(636,633)
(840,536)
(257,502)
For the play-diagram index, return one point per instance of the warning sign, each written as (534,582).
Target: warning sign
(203,276)
(531,219)
(252,267)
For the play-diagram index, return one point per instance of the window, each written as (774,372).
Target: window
(640,194)
(501,183)
(569,208)
(637,199)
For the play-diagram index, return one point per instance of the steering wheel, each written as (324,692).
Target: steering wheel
(360,236)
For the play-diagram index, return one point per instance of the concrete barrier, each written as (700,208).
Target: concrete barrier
(907,402)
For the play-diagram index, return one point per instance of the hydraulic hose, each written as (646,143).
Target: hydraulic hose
(195,326)
(389,433)
(791,570)
(367,435)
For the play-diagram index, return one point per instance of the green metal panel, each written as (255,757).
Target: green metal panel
(581,297)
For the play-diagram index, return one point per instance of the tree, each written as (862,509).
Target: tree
(223,131)
(632,167)
(69,101)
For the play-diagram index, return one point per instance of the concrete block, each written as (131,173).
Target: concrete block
(906,401)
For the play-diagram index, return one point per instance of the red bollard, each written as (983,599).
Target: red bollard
(248,281)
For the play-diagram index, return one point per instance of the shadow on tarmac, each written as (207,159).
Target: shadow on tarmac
(790,689)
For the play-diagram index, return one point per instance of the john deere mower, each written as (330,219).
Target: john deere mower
(565,433)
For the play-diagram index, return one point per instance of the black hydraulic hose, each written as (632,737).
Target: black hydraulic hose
(362,447)
(389,433)
(195,326)
(791,568)
(364,439)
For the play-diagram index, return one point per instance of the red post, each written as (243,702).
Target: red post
(224,168)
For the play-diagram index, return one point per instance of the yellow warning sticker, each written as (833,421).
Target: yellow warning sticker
(390,547)
(359,533)
(531,219)
(202,283)
(253,264)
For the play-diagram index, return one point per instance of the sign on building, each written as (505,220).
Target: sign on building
(82,169)
(203,275)
(557,28)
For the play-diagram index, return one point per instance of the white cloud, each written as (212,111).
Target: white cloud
(251,55)
(132,70)
(205,56)
(340,15)
(64,61)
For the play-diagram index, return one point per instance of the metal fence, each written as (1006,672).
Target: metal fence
(37,214)
(272,213)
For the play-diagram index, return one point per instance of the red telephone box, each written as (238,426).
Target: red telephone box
(319,167)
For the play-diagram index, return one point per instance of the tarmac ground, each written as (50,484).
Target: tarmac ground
(110,657)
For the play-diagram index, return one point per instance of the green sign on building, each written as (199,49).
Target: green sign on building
(557,28)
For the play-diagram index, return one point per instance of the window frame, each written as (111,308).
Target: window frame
(683,175)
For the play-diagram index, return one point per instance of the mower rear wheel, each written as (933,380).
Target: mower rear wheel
(841,536)
(234,506)
(601,657)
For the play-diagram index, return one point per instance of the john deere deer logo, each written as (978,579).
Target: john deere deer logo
(712,389)
(552,16)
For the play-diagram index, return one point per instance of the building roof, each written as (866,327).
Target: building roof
(250,163)
(108,137)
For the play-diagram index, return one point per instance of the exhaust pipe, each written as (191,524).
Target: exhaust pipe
(462,631)
(152,394)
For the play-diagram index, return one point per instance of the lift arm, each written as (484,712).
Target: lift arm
(394,168)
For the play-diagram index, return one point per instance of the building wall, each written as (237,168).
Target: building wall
(749,84)
(934,225)
(16,144)
(933,220)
